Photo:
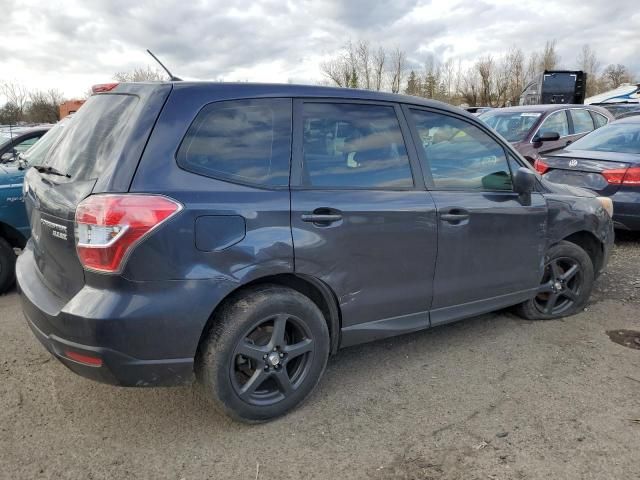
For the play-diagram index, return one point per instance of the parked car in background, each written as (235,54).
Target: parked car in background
(620,110)
(606,161)
(14,225)
(166,219)
(15,140)
(536,129)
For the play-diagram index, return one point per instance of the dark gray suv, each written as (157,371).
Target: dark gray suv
(240,234)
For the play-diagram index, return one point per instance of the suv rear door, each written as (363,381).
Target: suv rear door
(360,221)
(97,152)
(490,244)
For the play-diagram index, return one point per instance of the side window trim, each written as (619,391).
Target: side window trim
(428,178)
(297,153)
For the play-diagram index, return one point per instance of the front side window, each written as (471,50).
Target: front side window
(582,121)
(26,144)
(354,145)
(556,122)
(248,141)
(513,126)
(459,155)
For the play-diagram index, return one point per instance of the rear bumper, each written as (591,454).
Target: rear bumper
(626,209)
(144,333)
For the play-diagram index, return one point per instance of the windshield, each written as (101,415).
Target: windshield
(35,154)
(615,137)
(514,126)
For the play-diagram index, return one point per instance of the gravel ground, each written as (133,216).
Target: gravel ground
(493,397)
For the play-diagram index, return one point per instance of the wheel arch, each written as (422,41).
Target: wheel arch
(590,244)
(314,289)
(12,235)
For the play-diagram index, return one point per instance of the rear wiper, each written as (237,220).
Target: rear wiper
(50,170)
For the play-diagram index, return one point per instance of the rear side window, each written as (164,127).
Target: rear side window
(354,145)
(247,141)
(94,136)
(582,121)
(599,120)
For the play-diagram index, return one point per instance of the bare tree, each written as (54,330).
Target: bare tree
(549,58)
(140,74)
(363,59)
(17,95)
(616,75)
(588,62)
(469,87)
(516,73)
(397,71)
(379,59)
(448,74)
(485,68)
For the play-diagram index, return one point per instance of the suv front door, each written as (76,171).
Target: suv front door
(361,222)
(490,244)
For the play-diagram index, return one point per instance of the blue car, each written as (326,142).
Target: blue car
(26,145)
(606,161)
(240,234)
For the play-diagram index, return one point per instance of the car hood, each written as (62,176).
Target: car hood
(597,155)
(10,174)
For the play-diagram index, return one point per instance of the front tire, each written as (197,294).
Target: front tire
(265,353)
(7,266)
(565,287)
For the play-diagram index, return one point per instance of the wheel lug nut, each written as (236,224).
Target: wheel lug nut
(266,368)
(281,355)
(264,357)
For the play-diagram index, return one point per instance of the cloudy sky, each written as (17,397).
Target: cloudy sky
(71,45)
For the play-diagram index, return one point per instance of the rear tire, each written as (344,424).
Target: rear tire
(7,266)
(566,284)
(265,353)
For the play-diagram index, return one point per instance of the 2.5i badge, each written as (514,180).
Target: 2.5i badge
(57,230)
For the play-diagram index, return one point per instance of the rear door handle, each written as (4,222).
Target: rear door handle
(455,215)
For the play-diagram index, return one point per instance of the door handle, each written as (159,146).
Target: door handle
(321,217)
(454,215)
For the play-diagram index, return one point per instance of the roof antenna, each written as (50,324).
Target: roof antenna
(172,77)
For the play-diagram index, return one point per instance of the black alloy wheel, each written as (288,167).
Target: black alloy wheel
(565,286)
(272,360)
(561,286)
(264,354)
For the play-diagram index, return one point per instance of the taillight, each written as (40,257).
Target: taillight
(622,176)
(109,226)
(540,166)
(103,87)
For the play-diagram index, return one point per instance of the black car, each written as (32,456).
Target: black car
(242,233)
(606,161)
(15,140)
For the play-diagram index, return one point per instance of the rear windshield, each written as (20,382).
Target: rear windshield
(94,137)
(514,126)
(615,137)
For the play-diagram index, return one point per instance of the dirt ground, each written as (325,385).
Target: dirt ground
(493,397)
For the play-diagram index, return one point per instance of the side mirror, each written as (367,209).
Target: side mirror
(546,137)
(524,181)
(8,156)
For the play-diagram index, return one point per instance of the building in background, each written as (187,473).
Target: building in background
(70,106)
